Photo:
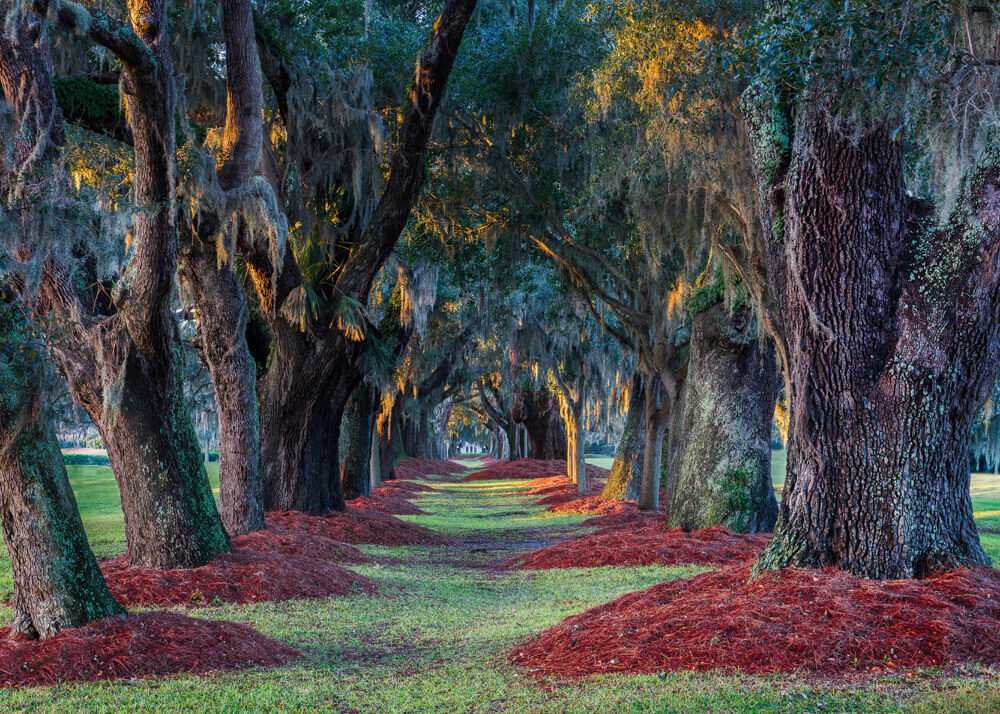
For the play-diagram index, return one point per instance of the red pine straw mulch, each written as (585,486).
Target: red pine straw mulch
(531,469)
(627,518)
(307,545)
(813,620)
(385,501)
(591,506)
(421,468)
(406,486)
(614,511)
(139,645)
(648,543)
(240,576)
(356,527)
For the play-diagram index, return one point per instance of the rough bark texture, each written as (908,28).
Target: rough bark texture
(539,412)
(626,471)
(57,583)
(723,471)
(889,324)
(124,363)
(212,283)
(357,443)
(301,411)
(657,418)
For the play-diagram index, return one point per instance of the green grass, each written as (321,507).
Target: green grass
(435,638)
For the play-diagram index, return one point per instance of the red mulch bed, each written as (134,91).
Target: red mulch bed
(306,545)
(422,468)
(627,518)
(798,619)
(590,506)
(384,500)
(649,543)
(152,644)
(407,486)
(356,527)
(239,576)
(531,469)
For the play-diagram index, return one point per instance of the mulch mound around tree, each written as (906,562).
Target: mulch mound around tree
(627,518)
(531,469)
(151,644)
(356,527)
(422,468)
(797,619)
(645,543)
(306,545)
(387,500)
(236,577)
(407,486)
(613,511)
(588,505)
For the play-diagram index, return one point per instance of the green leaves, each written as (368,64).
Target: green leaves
(301,307)
(351,318)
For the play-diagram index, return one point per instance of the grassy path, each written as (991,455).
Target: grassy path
(436,637)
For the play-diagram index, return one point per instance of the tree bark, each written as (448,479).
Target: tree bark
(657,418)
(539,412)
(212,282)
(360,420)
(124,367)
(301,411)
(626,471)
(222,320)
(723,474)
(57,583)
(889,325)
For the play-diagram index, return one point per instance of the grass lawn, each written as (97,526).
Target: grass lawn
(436,635)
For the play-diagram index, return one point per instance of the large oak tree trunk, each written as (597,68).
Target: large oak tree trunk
(57,583)
(222,321)
(889,323)
(313,372)
(125,367)
(539,412)
(723,473)
(359,422)
(302,407)
(625,478)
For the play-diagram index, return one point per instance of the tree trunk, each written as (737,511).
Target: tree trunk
(375,464)
(359,421)
(124,366)
(212,282)
(222,320)
(889,323)
(301,412)
(723,474)
(626,471)
(575,463)
(57,583)
(539,412)
(656,426)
